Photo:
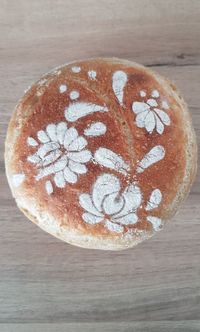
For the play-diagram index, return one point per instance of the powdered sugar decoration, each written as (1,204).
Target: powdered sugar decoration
(78,110)
(119,80)
(92,74)
(154,200)
(148,115)
(74,95)
(31,141)
(61,157)
(106,205)
(110,159)
(156,154)
(142,93)
(155,94)
(61,152)
(156,222)
(17,179)
(153,203)
(62,88)
(76,69)
(95,129)
(49,187)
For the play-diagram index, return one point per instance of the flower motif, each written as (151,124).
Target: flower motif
(61,151)
(148,115)
(106,203)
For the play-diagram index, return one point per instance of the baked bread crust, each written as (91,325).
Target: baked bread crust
(100,153)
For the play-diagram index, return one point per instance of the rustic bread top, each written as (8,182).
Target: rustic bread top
(101,147)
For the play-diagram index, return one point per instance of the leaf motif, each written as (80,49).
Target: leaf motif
(156,222)
(156,154)
(110,159)
(154,200)
(119,80)
(95,129)
(49,187)
(78,110)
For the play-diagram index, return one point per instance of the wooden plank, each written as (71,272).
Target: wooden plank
(165,326)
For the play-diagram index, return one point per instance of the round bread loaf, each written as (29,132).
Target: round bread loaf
(100,153)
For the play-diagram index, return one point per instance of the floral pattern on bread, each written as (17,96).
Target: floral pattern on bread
(61,152)
(149,115)
(106,204)
(62,157)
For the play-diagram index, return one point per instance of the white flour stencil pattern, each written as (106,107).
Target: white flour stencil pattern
(153,202)
(95,129)
(79,110)
(149,115)
(106,205)
(110,159)
(18,179)
(119,80)
(156,154)
(62,154)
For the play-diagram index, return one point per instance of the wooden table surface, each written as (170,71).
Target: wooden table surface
(52,286)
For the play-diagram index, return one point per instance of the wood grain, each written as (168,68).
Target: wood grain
(163,326)
(154,287)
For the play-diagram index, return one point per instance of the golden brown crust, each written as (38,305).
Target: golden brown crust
(144,147)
